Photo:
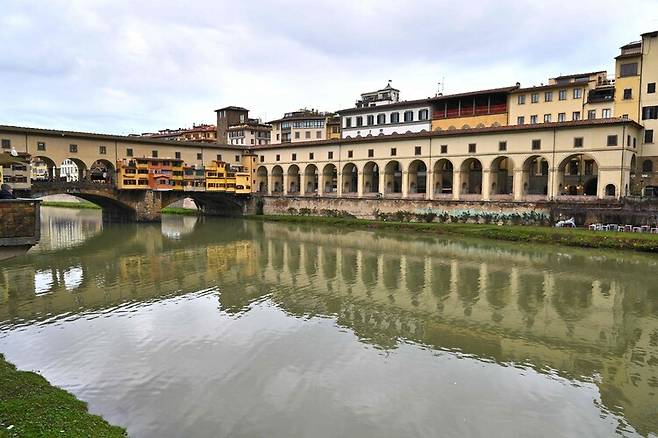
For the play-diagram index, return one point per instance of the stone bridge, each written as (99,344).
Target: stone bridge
(139,205)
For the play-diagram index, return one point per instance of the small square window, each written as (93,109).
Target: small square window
(311,155)
(177,155)
(533,119)
(628,93)
(591,114)
(534,98)
(444,148)
(6,143)
(562,95)
(371,153)
(520,100)
(547,118)
(548,96)
(350,154)
(648,136)
(561,117)
(41,146)
(307,134)
(394,152)
(199,156)
(471,148)
(318,134)
(294,157)
(330,155)
(575,115)
(578,142)
(262,158)
(417,150)
(502,145)
(520,120)
(297,134)
(278,157)
(73,148)
(237,158)
(577,93)
(651,88)
(102,150)
(536,145)
(612,140)
(219,157)
(129,152)
(154,154)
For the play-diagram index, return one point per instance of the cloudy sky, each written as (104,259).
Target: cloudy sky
(124,66)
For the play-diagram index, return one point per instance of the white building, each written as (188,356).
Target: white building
(69,170)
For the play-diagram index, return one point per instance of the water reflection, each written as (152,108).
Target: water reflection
(585,316)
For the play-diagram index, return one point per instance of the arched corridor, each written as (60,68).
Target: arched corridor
(577,175)
(502,177)
(261,180)
(417,177)
(535,177)
(330,179)
(311,179)
(443,177)
(293,179)
(471,177)
(393,178)
(350,179)
(371,178)
(277,179)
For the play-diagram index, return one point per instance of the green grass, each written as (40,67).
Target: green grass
(32,407)
(68,204)
(577,237)
(178,210)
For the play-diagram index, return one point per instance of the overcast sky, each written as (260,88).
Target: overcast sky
(127,67)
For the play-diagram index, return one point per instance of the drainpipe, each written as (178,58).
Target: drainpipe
(26,149)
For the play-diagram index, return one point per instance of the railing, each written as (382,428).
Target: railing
(469,112)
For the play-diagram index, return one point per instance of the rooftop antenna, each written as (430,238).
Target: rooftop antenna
(440,86)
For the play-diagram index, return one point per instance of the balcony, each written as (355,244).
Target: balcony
(481,110)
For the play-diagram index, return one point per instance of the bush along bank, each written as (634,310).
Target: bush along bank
(520,229)
(32,407)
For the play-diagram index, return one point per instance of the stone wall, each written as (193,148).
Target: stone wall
(19,222)
(626,211)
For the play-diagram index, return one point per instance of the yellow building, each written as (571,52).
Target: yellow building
(627,81)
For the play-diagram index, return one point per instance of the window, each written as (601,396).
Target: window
(199,156)
(394,152)
(520,99)
(536,145)
(520,120)
(262,158)
(423,114)
(318,134)
(647,166)
(278,157)
(612,140)
(6,143)
(73,148)
(359,121)
(371,120)
(395,117)
(634,141)
(629,69)
(591,114)
(648,136)
(294,157)
(650,112)
(628,93)
(534,98)
(471,148)
(628,140)
(278,136)
(562,95)
(606,113)
(348,122)
(219,157)
(350,154)
(651,88)
(547,118)
(177,155)
(371,153)
(330,155)
(575,115)
(307,135)
(444,148)
(381,119)
(129,152)
(417,150)
(154,154)
(41,146)
(578,142)
(533,119)
(577,93)
(561,117)
(548,96)
(311,155)
(408,116)
(297,134)
(502,146)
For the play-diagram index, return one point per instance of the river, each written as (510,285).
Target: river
(227,327)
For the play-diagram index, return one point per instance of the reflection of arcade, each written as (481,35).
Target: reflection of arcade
(581,314)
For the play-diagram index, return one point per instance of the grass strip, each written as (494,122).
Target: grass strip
(67,204)
(179,210)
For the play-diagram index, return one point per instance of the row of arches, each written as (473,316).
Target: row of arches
(577,175)
(71,170)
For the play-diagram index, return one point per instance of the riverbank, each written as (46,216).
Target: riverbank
(179,210)
(72,204)
(577,237)
(30,406)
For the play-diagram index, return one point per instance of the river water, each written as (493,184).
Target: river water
(223,327)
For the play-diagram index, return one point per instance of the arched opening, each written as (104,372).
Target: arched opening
(311,179)
(471,172)
(261,179)
(610,190)
(443,176)
(293,179)
(42,169)
(393,177)
(330,178)
(417,177)
(502,176)
(102,172)
(578,176)
(535,176)
(371,177)
(277,179)
(72,170)
(350,178)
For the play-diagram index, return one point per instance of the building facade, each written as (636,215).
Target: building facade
(300,126)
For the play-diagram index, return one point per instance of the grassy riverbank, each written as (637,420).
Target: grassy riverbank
(178,210)
(30,406)
(72,204)
(514,233)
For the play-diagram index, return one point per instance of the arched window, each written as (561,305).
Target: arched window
(610,190)
(381,119)
(647,166)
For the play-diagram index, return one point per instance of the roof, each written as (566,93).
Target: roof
(249,125)
(6,158)
(457,132)
(110,137)
(475,93)
(628,55)
(550,86)
(386,88)
(305,116)
(579,75)
(234,108)
(651,34)
(631,45)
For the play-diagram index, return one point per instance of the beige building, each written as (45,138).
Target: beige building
(301,126)
(249,134)
(203,133)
